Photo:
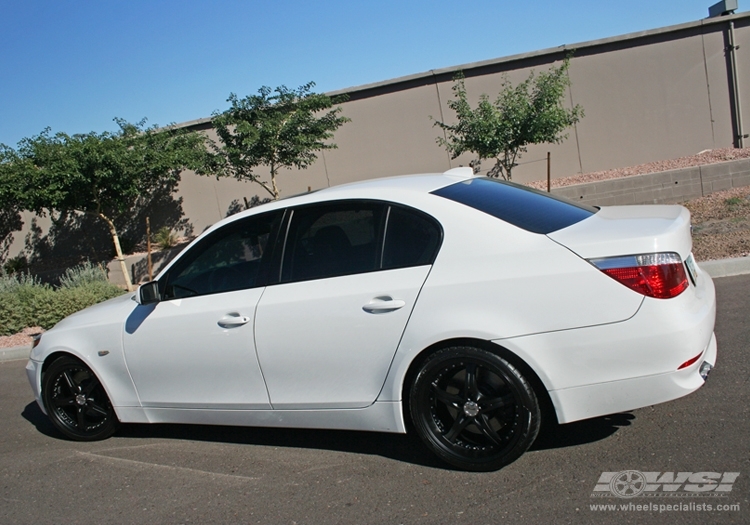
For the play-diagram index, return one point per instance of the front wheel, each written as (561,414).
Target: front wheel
(473,409)
(76,401)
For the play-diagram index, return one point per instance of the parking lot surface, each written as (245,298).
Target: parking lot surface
(202,474)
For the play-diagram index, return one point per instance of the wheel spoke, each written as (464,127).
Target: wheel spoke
(92,384)
(484,425)
(472,381)
(444,397)
(490,405)
(71,384)
(460,423)
(64,402)
(81,419)
(93,407)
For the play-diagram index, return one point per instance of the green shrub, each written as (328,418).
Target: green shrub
(16,264)
(67,301)
(165,239)
(13,282)
(24,301)
(19,293)
(83,274)
(12,317)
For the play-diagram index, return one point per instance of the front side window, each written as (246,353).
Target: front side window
(231,258)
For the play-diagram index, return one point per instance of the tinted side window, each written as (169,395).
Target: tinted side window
(229,259)
(411,239)
(524,207)
(333,239)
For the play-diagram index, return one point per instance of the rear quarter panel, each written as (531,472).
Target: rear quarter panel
(495,281)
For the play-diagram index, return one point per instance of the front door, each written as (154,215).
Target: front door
(195,348)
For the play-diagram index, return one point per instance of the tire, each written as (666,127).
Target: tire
(76,401)
(473,409)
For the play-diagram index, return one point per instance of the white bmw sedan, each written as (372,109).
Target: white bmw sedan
(472,308)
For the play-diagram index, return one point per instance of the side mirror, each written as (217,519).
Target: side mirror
(148,293)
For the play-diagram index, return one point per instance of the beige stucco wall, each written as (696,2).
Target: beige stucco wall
(649,96)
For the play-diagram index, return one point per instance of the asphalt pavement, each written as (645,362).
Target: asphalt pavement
(201,474)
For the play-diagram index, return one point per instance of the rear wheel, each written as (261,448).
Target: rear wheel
(76,401)
(473,408)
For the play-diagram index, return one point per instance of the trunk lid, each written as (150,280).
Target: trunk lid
(629,230)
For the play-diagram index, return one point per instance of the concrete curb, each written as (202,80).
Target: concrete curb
(720,268)
(726,267)
(15,353)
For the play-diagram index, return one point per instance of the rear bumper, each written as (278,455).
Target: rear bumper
(573,404)
(599,370)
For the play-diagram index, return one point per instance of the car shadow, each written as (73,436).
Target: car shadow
(34,415)
(406,448)
(581,432)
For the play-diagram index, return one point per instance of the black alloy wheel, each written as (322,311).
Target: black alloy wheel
(474,409)
(76,401)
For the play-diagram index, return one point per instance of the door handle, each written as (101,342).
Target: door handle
(380,305)
(233,320)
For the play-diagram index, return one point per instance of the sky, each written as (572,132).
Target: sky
(75,65)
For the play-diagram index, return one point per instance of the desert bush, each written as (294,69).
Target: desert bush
(83,274)
(165,238)
(25,301)
(66,301)
(16,264)
(18,295)
(12,318)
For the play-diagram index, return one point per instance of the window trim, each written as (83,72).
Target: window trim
(284,240)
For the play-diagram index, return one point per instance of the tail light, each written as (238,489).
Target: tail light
(660,275)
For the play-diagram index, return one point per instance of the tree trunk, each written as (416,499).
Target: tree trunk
(273,183)
(275,189)
(118,251)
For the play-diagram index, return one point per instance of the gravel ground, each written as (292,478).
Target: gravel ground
(704,157)
(19,339)
(721,221)
(721,224)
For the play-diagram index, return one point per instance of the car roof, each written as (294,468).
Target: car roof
(385,188)
(420,183)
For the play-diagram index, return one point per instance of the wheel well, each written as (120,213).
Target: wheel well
(54,357)
(549,416)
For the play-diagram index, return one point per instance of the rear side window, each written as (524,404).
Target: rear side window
(350,237)
(527,208)
(333,239)
(411,239)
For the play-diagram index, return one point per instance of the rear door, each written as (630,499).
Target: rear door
(350,277)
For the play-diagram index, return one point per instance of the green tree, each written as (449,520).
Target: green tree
(529,113)
(10,216)
(101,174)
(280,128)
